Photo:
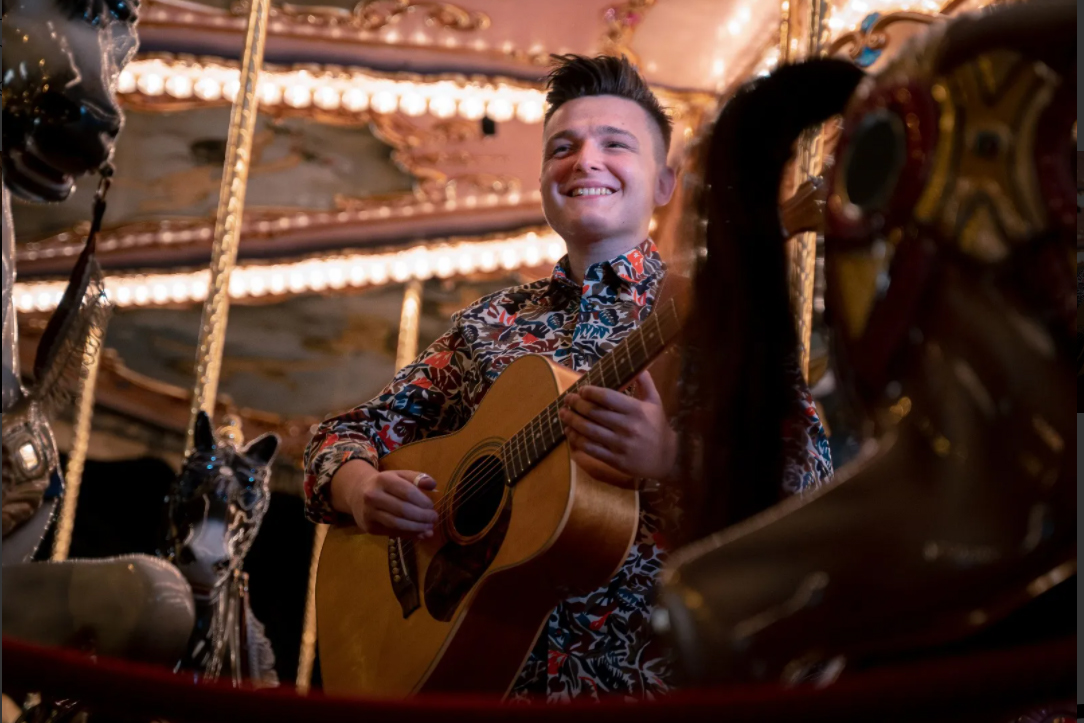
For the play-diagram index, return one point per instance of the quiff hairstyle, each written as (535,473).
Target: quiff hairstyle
(577,76)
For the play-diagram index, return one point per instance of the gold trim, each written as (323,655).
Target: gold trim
(231,204)
(73,475)
(407,347)
(621,24)
(373,14)
(875,38)
(308,628)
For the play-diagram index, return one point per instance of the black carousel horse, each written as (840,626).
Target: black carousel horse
(949,235)
(215,509)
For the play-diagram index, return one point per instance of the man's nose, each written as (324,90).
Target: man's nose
(588,158)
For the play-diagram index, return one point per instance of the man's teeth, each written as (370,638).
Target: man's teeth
(592,192)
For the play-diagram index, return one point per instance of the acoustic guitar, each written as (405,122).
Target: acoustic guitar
(521,528)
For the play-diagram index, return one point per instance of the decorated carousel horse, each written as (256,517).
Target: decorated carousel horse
(949,266)
(61,59)
(215,509)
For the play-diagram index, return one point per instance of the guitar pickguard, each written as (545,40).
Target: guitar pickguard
(455,569)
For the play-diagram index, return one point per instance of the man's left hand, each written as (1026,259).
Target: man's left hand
(611,432)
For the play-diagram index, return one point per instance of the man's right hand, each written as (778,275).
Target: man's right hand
(385,503)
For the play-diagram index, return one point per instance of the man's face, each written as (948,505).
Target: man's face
(603,170)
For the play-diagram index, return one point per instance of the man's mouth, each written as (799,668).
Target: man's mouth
(595,191)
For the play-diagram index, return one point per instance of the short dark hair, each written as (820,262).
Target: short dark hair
(577,76)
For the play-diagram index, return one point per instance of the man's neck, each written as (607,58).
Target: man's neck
(582,256)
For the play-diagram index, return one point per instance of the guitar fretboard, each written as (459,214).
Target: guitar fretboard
(528,446)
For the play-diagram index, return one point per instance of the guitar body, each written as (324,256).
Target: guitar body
(494,569)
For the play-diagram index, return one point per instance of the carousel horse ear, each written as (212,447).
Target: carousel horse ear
(204,437)
(263,448)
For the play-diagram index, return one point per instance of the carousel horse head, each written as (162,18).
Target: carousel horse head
(217,504)
(61,62)
(949,241)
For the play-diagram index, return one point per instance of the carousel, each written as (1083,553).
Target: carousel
(227,220)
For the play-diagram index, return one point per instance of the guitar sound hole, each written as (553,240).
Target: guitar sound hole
(478,496)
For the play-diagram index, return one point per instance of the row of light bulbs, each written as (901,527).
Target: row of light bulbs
(350,90)
(314,275)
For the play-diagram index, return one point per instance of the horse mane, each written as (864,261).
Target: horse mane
(742,343)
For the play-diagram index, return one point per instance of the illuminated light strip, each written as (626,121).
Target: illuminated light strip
(352,90)
(314,275)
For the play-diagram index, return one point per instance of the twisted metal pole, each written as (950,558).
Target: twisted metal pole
(231,205)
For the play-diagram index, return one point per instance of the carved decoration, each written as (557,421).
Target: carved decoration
(621,24)
(373,15)
(865,45)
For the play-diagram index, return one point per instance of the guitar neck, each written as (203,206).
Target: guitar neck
(528,446)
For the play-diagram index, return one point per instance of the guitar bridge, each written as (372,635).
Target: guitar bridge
(401,569)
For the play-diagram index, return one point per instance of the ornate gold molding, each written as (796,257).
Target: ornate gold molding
(875,38)
(374,14)
(360,25)
(621,24)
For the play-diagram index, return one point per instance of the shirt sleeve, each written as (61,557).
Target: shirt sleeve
(425,398)
(808,462)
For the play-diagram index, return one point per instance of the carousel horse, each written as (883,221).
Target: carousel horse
(215,509)
(949,239)
(61,60)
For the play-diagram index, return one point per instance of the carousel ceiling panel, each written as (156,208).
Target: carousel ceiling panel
(487,36)
(305,356)
(705,44)
(169,165)
(691,44)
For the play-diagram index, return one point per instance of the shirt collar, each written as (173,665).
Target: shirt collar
(631,267)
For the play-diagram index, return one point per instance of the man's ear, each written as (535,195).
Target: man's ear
(664,185)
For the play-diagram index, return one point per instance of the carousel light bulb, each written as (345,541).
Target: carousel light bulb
(297,96)
(296,281)
(326,98)
(336,276)
(392,36)
(151,84)
(378,273)
(124,295)
(419,38)
(532,255)
(179,292)
(384,101)
(270,93)
(179,86)
(277,283)
(509,258)
(126,82)
(442,106)
(472,107)
(412,103)
(317,279)
(445,266)
(207,89)
(466,262)
(734,27)
(530,111)
(357,274)
(355,100)
(500,109)
(487,260)
(230,88)
(141,294)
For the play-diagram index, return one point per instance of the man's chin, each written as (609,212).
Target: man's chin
(30,179)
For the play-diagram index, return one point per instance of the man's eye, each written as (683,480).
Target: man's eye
(616,144)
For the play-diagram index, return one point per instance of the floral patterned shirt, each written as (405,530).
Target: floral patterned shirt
(601,642)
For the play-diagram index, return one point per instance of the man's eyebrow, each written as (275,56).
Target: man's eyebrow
(597,130)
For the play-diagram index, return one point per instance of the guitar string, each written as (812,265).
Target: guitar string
(476,483)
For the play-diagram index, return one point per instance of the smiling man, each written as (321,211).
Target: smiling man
(604,171)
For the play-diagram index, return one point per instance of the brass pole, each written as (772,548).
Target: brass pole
(803,248)
(231,204)
(407,348)
(73,475)
(308,629)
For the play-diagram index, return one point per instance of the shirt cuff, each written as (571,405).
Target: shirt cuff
(322,468)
